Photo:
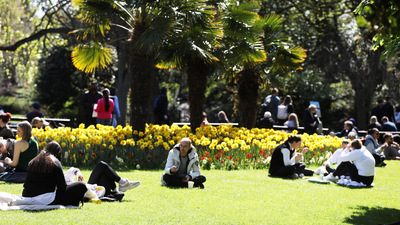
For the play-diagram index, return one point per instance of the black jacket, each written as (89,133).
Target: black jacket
(309,119)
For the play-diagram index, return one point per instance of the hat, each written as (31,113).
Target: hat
(36,105)
(267,114)
(353,120)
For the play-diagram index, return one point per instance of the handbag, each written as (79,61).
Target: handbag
(320,127)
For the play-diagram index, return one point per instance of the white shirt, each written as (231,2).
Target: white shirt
(289,160)
(335,157)
(362,159)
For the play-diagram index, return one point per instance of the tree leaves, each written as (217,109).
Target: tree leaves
(89,57)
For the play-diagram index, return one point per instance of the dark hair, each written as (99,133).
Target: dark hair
(113,90)
(5,117)
(204,115)
(356,144)
(385,119)
(44,162)
(372,130)
(380,101)
(388,98)
(293,138)
(287,101)
(106,101)
(163,90)
(274,90)
(387,135)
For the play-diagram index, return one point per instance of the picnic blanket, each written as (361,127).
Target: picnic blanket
(16,202)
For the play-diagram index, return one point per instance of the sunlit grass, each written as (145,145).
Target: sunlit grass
(233,197)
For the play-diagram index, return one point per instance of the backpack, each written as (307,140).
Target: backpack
(282,112)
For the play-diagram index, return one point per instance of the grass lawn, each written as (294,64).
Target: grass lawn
(233,197)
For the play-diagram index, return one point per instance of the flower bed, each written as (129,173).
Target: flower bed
(222,147)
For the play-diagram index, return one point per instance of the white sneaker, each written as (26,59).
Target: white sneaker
(301,175)
(129,185)
(330,177)
(320,170)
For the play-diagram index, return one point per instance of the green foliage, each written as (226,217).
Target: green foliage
(89,57)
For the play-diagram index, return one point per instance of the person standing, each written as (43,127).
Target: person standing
(183,166)
(115,113)
(161,107)
(287,110)
(272,102)
(89,99)
(387,109)
(35,112)
(104,109)
(310,120)
(377,111)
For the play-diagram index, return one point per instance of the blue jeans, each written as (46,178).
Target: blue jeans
(104,121)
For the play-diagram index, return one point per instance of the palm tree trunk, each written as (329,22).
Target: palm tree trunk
(197,83)
(249,96)
(141,67)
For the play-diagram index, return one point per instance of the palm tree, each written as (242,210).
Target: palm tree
(148,24)
(191,48)
(255,48)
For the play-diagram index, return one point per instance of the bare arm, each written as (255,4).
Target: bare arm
(17,151)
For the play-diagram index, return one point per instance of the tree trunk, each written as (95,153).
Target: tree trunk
(141,67)
(122,84)
(249,97)
(360,103)
(197,83)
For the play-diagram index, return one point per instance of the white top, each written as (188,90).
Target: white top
(362,159)
(289,160)
(335,157)
(43,199)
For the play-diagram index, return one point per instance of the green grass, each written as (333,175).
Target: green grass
(233,197)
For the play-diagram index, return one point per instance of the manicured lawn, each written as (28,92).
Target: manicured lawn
(233,197)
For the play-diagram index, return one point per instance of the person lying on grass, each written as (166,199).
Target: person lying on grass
(286,162)
(45,183)
(358,163)
(102,175)
(182,166)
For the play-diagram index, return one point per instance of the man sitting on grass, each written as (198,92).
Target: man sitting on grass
(183,166)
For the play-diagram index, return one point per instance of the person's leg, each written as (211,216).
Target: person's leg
(102,168)
(174,181)
(108,184)
(377,159)
(72,195)
(341,169)
(284,171)
(301,168)
(199,180)
(329,169)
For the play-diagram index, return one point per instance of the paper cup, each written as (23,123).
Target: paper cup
(190,184)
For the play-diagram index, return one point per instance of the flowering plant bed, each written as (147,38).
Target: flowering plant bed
(223,147)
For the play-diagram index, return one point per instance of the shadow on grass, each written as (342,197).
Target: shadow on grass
(373,215)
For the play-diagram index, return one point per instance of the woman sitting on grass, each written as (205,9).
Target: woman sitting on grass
(24,150)
(285,161)
(45,183)
(358,163)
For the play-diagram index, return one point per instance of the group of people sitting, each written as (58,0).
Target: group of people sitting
(353,160)
(45,182)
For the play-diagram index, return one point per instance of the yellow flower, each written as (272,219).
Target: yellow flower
(123,142)
(87,146)
(141,134)
(63,144)
(111,147)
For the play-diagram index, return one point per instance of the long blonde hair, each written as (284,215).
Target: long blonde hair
(293,117)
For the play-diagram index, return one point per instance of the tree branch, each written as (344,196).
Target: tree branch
(34,37)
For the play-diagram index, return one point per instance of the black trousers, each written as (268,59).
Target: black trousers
(352,170)
(296,168)
(72,195)
(175,181)
(89,120)
(378,158)
(104,175)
